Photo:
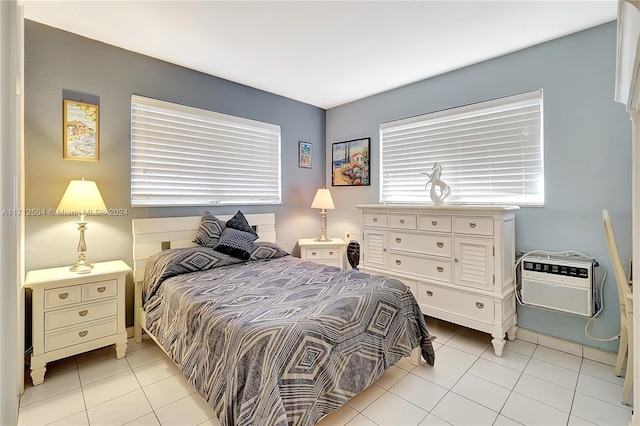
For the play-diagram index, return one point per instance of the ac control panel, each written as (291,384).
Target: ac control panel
(558,270)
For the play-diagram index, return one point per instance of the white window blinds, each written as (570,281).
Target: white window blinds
(490,153)
(184,156)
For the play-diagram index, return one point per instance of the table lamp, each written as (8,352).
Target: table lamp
(82,198)
(323,201)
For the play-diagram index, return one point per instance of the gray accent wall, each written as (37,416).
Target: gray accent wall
(59,64)
(587,154)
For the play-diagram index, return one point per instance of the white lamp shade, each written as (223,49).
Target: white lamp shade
(82,197)
(322,200)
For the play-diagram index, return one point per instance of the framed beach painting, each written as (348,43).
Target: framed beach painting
(81,131)
(305,149)
(350,163)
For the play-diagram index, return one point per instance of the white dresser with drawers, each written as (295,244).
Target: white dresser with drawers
(457,260)
(74,313)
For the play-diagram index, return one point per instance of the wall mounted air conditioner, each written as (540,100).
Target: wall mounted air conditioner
(561,283)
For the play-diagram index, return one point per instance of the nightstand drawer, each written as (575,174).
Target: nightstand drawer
(62,296)
(80,334)
(80,314)
(313,254)
(330,253)
(100,290)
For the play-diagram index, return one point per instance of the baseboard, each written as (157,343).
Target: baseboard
(586,352)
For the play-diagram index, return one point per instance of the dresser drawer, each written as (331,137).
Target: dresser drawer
(403,221)
(426,267)
(472,306)
(434,223)
(80,314)
(438,245)
(375,219)
(473,225)
(100,290)
(62,296)
(79,334)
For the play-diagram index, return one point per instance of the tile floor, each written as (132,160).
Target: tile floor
(469,385)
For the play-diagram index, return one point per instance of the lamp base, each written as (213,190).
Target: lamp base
(81,268)
(323,239)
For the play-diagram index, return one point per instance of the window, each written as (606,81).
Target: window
(184,156)
(490,153)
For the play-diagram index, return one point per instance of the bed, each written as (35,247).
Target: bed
(272,339)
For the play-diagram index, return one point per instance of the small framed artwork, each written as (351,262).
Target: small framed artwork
(350,163)
(81,128)
(305,150)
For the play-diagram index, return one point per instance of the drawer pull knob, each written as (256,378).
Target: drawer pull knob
(401,220)
(434,222)
(384,249)
(456,260)
(440,268)
(398,240)
(440,244)
(479,305)
(429,293)
(83,313)
(83,333)
(330,253)
(63,295)
(375,219)
(398,261)
(313,253)
(101,289)
(472,224)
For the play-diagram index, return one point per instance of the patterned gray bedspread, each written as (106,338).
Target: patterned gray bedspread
(281,341)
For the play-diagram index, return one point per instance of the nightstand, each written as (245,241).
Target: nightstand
(325,252)
(74,313)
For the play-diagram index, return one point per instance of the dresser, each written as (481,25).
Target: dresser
(74,313)
(325,252)
(457,260)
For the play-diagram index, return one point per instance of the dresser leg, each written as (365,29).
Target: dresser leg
(511,333)
(38,368)
(121,345)
(498,345)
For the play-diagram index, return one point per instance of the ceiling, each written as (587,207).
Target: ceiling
(324,53)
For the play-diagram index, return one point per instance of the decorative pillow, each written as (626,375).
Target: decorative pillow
(236,243)
(209,231)
(266,250)
(240,223)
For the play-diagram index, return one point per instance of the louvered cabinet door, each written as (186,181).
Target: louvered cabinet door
(375,248)
(473,262)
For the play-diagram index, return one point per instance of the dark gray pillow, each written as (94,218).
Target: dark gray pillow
(236,243)
(266,250)
(240,223)
(209,231)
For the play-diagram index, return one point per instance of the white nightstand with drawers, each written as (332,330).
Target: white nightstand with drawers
(74,313)
(325,252)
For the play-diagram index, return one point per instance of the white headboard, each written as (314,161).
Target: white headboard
(156,234)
